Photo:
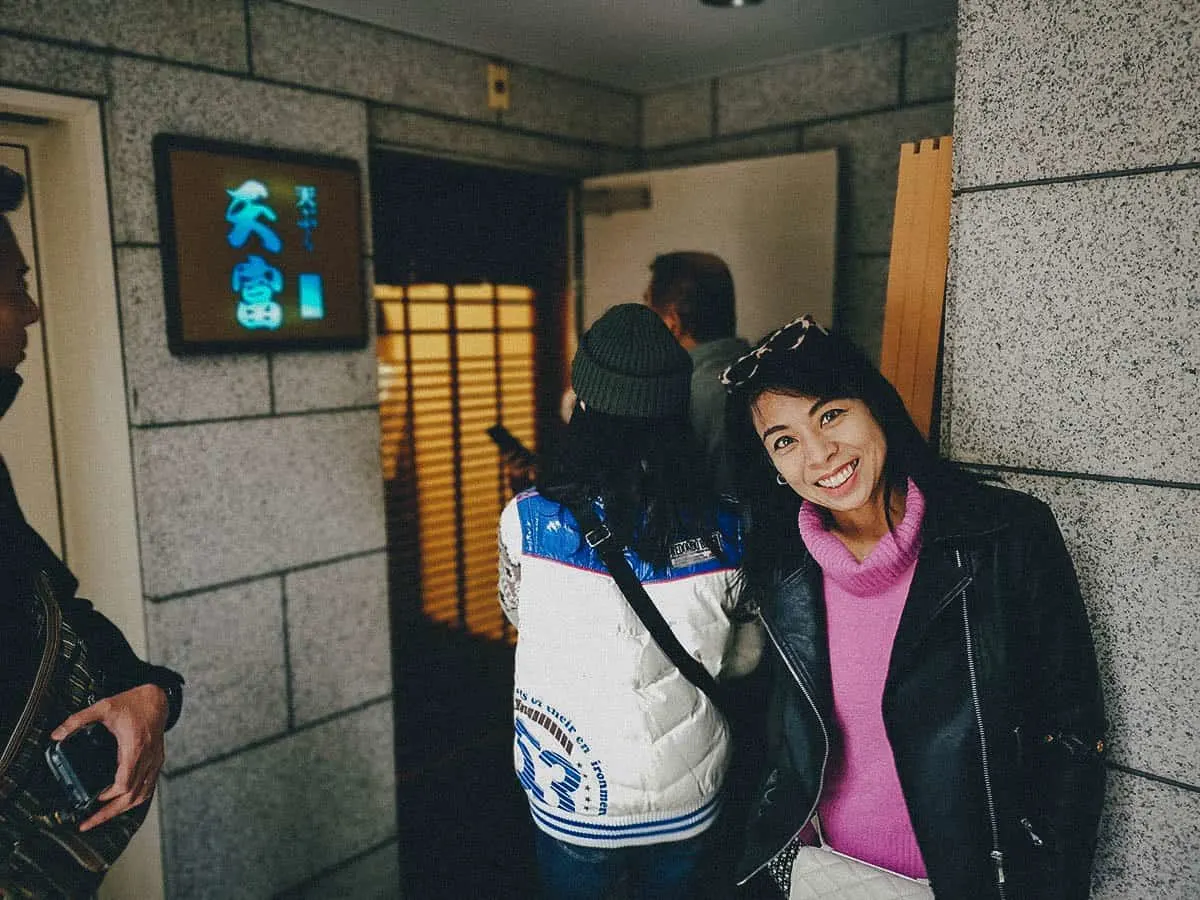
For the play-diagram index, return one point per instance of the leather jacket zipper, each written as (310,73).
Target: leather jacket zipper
(787,660)
(996,854)
(1033,836)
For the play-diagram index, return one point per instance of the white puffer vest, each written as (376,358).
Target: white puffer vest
(614,746)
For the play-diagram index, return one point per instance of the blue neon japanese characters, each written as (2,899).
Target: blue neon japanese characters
(262,249)
(247,209)
(256,281)
(306,204)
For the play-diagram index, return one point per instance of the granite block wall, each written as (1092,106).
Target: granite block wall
(865,100)
(259,493)
(1077,150)
(1071,369)
(430,98)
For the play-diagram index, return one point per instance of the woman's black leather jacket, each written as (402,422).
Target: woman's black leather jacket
(992,705)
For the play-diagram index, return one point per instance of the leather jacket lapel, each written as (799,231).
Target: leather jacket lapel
(799,623)
(936,583)
(939,579)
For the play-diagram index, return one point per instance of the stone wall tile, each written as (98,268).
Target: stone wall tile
(325,379)
(1073,327)
(257,823)
(869,157)
(47,67)
(862,290)
(551,104)
(772,143)
(1134,552)
(329,379)
(677,115)
(339,639)
(165,388)
(148,98)
(375,876)
(305,46)
(929,65)
(613,159)
(1148,845)
(817,85)
(227,500)
(204,32)
(1076,86)
(403,129)
(228,644)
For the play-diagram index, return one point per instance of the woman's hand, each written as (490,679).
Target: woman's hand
(137,718)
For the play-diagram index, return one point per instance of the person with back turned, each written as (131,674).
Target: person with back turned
(693,294)
(622,755)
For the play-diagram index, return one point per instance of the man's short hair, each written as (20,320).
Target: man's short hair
(699,289)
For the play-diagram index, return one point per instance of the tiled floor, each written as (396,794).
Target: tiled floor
(464,826)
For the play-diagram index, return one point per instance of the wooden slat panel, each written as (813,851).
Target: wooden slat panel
(912,322)
(471,360)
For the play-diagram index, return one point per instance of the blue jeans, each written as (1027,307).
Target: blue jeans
(653,872)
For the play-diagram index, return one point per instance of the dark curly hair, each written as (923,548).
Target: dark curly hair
(12,189)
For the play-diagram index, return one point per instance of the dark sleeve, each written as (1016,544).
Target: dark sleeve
(115,665)
(1064,714)
(708,423)
(114,661)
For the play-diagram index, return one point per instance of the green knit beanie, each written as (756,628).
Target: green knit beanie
(629,364)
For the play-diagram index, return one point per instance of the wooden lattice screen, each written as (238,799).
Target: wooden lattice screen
(453,360)
(912,322)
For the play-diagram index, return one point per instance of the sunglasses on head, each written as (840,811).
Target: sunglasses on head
(789,337)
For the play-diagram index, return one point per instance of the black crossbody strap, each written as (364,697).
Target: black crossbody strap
(599,538)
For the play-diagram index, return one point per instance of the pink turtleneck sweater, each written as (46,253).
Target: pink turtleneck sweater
(862,809)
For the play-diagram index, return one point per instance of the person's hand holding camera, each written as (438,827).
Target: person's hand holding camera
(137,718)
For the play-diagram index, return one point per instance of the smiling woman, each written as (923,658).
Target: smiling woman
(940,707)
(831,453)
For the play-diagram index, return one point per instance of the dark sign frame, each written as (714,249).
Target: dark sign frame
(203,267)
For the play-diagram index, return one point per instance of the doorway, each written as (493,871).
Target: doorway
(471,286)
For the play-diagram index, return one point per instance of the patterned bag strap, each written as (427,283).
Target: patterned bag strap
(51,616)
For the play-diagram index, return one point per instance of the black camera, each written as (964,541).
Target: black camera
(85,764)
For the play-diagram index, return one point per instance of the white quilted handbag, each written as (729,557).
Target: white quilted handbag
(819,873)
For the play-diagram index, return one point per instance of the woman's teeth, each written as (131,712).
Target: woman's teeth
(838,478)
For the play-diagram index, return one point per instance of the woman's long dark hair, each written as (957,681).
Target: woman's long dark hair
(825,366)
(647,472)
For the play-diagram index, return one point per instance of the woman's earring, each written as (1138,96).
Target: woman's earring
(779,479)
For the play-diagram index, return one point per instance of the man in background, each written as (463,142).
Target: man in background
(693,293)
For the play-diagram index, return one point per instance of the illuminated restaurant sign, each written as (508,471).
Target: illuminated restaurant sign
(261,248)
